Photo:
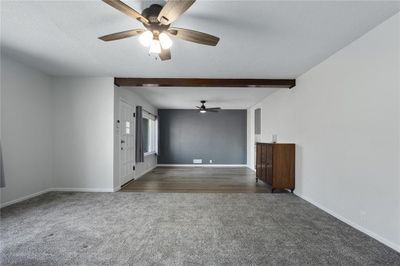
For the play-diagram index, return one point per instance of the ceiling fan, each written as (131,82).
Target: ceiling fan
(157,21)
(204,109)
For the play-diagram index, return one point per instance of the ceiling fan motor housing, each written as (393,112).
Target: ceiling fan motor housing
(151,13)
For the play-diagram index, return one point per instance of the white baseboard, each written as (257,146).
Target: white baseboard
(8,203)
(202,165)
(251,168)
(352,224)
(83,189)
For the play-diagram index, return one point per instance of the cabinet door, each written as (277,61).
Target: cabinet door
(284,166)
(268,164)
(258,160)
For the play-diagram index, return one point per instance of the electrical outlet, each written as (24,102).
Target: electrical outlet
(211,161)
(197,161)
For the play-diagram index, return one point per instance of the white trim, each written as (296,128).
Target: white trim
(251,168)
(145,172)
(83,189)
(8,203)
(352,224)
(149,153)
(148,116)
(202,165)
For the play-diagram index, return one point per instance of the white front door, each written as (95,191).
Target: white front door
(127,143)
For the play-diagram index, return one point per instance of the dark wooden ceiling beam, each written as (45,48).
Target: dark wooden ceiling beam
(204,82)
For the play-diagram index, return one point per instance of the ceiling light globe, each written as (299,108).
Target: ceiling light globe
(203,111)
(155,47)
(146,38)
(165,40)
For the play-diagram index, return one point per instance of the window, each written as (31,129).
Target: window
(149,134)
(257,121)
(146,135)
(127,127)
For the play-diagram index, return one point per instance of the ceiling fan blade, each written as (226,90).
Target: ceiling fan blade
(194,36)
(165,54)
(121,35)
(173,9)
(124,8)
(198,107)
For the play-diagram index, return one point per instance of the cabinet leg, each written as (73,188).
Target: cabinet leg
(272,190)
(256,179)
(291,190)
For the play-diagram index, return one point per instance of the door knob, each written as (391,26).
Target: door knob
(122,141)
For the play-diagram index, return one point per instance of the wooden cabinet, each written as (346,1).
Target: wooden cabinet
(275,164)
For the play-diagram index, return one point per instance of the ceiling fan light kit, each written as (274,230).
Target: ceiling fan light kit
(146,38)
(155,47)
(165,40)
(157,21)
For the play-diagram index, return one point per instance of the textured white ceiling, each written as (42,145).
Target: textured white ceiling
(259,39)
(188,98)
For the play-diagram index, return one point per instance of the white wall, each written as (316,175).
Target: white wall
(344,117)
(25,130)
(57,133)
(83,133)
(150,161)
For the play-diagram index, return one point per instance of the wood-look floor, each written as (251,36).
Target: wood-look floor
(198,179)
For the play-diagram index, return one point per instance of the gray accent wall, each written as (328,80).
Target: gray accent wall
(187,134)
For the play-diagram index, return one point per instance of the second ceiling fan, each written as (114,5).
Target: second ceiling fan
(157,22)
(203,109)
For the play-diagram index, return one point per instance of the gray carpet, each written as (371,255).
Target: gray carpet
(180,229)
